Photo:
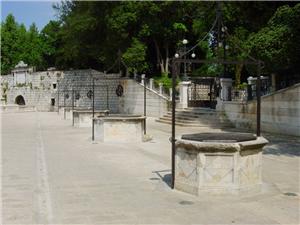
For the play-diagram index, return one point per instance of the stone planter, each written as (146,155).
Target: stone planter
(119,128)
(218,166)
(83,118)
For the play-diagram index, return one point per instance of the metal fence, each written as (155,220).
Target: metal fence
(84,97)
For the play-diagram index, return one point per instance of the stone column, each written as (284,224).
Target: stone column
(226,85)
(160,88)
(151,83)
(184,88)
(143,79)
(170,92)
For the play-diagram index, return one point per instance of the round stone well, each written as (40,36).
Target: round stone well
(218,163)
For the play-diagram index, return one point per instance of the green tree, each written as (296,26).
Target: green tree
(9,46)
(19,44)
(51,40)
(277,44)
(135,57)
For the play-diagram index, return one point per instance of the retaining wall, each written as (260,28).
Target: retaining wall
(133,100)
(280,112)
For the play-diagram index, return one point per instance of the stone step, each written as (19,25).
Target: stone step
(216,121)
(198,109)
(182,120)
(181,123)
(201,117)
(184,124)
(192,116)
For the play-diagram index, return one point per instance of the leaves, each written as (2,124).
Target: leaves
(135,57)
(91,34)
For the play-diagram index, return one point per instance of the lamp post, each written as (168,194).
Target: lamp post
(93,104)
(225,48)
(172,139)
(184,54)
(145,102)
(58,96)
(184,42)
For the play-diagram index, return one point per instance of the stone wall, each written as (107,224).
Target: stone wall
(133,100)
(47,89)
(280,112)
(79,83)
(37,91)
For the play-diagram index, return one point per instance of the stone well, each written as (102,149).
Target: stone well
(83,118)
(219,163)
(66,112)
(119,128)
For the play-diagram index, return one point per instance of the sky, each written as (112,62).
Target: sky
(27,12)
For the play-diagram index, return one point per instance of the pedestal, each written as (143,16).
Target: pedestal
(184,88)
(226,85)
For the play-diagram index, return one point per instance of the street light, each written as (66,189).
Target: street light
(145,99)
(184,42)
(184,54)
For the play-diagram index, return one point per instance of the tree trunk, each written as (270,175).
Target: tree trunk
(160,62)
(157,54)
(167,58)
(238,71)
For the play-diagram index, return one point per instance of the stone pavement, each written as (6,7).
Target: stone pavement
(53,174)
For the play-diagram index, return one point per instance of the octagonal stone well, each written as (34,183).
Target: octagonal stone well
(218,163)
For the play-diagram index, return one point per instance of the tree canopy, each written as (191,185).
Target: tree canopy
(146,34)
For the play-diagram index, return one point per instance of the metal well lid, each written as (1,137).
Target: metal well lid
(220,137)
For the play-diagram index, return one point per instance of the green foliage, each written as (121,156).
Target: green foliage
(92,34)
(242,86)
(19,44)
(50,36)
(9,47)
(207,70)
(165,80)
(180,27)
(278,44)
(135,57)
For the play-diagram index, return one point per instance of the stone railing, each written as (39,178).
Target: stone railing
(152,86)
(240,95)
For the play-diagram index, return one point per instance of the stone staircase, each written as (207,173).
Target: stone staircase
(197,117)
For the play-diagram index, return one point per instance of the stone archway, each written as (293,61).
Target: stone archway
(20,100)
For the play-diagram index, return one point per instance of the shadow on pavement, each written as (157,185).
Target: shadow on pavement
(282,145)
(167,178)
(279,144)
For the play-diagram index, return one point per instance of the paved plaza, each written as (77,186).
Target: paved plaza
(52,173)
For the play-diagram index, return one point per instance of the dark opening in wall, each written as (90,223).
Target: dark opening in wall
(20,100)
(52,102)
(54,86)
